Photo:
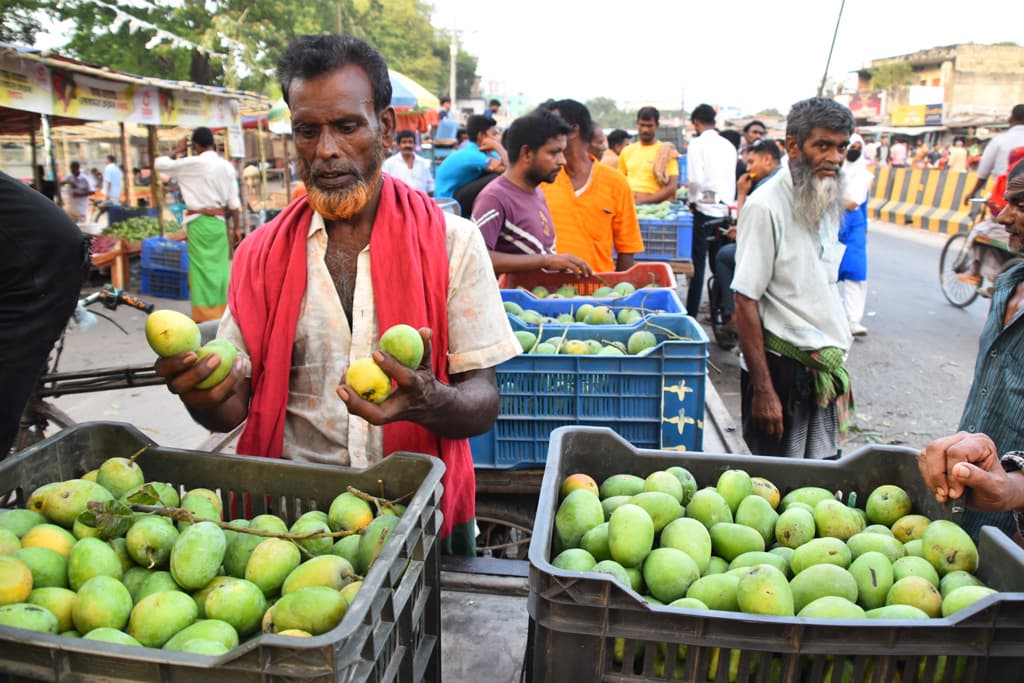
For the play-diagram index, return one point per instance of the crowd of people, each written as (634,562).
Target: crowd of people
(365,247)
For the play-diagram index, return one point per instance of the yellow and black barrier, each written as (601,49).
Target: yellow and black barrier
(929,199)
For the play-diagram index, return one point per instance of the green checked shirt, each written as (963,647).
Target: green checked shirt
(995,405)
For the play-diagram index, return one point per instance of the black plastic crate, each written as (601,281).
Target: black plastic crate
(575,617)
(390,633)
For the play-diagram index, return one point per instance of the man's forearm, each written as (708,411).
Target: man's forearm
(748,324)
(667,191)
(465,408)
(227,415)
(624,261)
(516,263)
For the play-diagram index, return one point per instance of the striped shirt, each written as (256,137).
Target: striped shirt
(995,404)
(513,220)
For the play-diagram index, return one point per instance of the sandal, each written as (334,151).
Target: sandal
(969,278)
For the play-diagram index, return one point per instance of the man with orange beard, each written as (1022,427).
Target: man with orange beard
(312,291)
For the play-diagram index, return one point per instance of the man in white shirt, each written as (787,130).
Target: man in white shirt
(409,167)
(711,174)
(113,179)
(792,325)
(80,188)
(209,186)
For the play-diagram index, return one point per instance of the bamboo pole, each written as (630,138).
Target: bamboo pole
(126,163)
(262,161)
(155,188)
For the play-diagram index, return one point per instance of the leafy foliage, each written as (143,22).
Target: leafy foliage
(237,43)
(891,75)
(17,23)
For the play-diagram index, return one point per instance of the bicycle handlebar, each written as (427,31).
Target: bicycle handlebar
(111,297)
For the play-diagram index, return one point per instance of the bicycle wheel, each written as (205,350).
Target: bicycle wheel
(955,259)
(505,530)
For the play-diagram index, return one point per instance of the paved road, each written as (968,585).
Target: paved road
(912,372)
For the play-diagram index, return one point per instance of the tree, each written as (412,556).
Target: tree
(606,112)
(771,111)
(237,43)
(890,75)
(18,23)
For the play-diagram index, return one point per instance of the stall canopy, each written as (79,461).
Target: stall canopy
(414,106)
(69,92)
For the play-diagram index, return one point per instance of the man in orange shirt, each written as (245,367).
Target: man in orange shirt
(591,205)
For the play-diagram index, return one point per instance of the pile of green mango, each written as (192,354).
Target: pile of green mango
(738,546)
(584,314)
(638,343)
(140,227)
(193,587)
(570,292)
(666,210)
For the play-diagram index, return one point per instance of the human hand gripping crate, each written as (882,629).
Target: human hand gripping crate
(386,628)
(690,587)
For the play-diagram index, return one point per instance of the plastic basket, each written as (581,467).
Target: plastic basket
(640,275)
(656,399)
(667,238)
(645,301)
(163,254)
(166,284)
(575,617)
(390,633)
(116,214)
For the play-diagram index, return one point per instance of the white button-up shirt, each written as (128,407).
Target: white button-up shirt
(418,177)
(711,173)
(207,180)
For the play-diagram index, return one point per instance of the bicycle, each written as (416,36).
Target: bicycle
(958,253)
(39,413)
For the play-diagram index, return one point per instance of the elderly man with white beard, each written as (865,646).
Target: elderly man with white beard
(793,329)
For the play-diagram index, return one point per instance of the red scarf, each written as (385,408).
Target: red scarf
(268,281)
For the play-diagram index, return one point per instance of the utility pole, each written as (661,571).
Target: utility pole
(338,5)
(821,88)
(453,52)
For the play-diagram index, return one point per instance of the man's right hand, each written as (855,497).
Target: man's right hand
(567,263)
(766,412)
(183,373)
(966,464)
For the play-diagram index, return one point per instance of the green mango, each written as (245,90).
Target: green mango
(764,590)
(197,555)
(716,591)
(101,601)
(873,573)
(820,580)
(270,564)
(28,616)
(324,570)
(574,560)
(709,508)
(690,536)
(157,617)
(316,610)
(58,601)
(630,535)
(578,513)
(92,557)
(240,603)
(729,540)
(375,536)
(149,541)
(105,634)
(207,629)
(668,573)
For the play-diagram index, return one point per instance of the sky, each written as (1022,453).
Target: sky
(738,53)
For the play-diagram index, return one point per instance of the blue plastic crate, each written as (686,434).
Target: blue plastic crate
(166,284)
(655,400)
(683,177)
(651,301)
(160,253)
(667,239)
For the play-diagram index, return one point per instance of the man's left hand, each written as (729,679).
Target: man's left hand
(415,395)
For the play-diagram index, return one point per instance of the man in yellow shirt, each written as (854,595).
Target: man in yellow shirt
(591,205)
(640,162)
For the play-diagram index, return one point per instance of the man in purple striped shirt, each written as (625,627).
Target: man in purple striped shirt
(511,212)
